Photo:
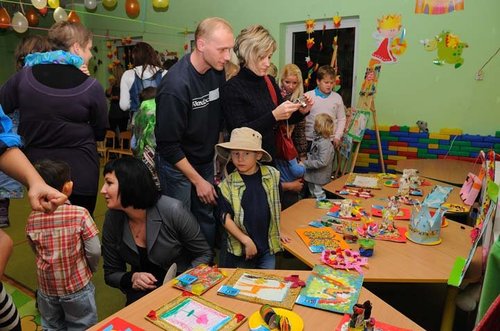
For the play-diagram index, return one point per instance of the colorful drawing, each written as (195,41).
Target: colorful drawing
(261,288)
(449,48)
(192,313)
(319,239)
(345,259)
(358,125)
(346,147)
(371,181)
(369,85)
(391,37)
(117,324)
(437,196)
(438,7)
(332,290)
(204,277)
(383,231)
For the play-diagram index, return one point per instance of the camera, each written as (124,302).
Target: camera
(302,101)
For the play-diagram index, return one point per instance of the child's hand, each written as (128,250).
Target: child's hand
(285,239)
(336,142)
(250,248)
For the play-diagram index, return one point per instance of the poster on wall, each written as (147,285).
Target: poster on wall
(438,7)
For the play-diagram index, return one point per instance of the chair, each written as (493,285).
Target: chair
(125,139)
(108,142)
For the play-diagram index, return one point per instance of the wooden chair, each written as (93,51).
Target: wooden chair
(107,143)
(125,138)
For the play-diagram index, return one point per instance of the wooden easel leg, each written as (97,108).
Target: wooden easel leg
(354,157)
(381,156)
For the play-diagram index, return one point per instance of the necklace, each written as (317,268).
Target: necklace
(137,229)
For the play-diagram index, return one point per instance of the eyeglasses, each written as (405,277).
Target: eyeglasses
(241,154)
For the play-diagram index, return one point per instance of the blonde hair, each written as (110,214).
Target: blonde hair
(253,43)
(63,35)
(291,69)
(323,125)
(206,27)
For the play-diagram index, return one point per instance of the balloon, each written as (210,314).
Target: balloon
(90,4)
(39,4)
(4,18)
(133,8)
(53,3)
(32,17)
(19,23)
(73,17)
(60,15)
(160,4)
(109,4)
(43,11)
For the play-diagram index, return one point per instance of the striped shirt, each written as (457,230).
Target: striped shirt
(58,240)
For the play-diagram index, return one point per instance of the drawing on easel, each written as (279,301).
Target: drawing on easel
(260,288)
(358,125)
(369,85)
(194,314)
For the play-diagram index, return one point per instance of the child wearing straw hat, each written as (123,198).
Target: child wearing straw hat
(249,203)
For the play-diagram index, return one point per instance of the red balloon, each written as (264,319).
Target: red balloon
(133,8)
(4,19)
(73,17)
(43,11)
(32,17)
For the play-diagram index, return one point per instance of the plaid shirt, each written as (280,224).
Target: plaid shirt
(232,188)
(58,240)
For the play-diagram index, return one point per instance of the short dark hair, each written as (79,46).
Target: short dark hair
(148,93)
(136,187)
(55,173)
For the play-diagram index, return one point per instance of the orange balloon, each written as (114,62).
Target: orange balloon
(32,17)
(4,18)
(133,8)
(73,17)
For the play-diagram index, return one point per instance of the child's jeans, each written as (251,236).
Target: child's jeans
(316,191)
(76,311)
(262,261)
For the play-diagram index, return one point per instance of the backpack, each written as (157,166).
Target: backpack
(139,85)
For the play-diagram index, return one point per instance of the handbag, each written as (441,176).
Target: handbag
(285,149)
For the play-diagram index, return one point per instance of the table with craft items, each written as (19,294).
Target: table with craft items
(392,262)
(314,319)
(449,171)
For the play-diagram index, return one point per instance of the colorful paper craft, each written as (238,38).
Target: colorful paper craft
(391,183)
(455,208)
(117,324)
(332,290)
(345,259)
(379,326)
(438,7)
(383,232)
(363,181)
(319,239)
(437,196)
(199,279)
(403,213)
(257,323)
(356,213)
(262,288)
(192,313)
(361,193)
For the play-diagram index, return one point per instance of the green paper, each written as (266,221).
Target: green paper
(492,191)
(456,273)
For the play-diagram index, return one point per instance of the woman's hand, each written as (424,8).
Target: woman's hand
(143,281)
(285,110)
(309,102)
(250,248)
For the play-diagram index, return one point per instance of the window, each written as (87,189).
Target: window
(296,51)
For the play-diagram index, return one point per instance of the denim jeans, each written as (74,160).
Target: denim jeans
(175,185)
(75,311)
(317,191)
(262,261)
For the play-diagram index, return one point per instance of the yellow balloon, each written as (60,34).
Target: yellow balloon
(109,4)
(39,4)
(53,3)
(160,4)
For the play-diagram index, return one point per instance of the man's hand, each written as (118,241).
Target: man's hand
(44,198)
(206,192)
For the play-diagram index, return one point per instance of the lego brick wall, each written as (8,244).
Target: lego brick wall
(405,142)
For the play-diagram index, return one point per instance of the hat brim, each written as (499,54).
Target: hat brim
(223,150)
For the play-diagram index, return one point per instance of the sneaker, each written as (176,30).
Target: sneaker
(4,213)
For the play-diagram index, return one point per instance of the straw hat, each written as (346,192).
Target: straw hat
(245,139)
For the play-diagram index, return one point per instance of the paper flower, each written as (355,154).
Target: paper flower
(309,43)
(310,26)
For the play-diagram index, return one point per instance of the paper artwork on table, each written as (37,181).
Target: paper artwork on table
(383,231)
(261,288)
(402,215)
(192,313)
(437,196)
(358,125)
(117,324)
(369,181)
(438,7)
(199,279)
(379,326)
(449,48)
(355,214)
(320,239)
(332,290)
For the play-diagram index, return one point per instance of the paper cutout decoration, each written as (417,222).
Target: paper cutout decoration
(355,213)
(360,193)
(319,239)
(332,290)
(358,125)
(383,231)
(402,215)
(257,323)
(344,259)
(371,181)
(379,326)
(192,313)
(117,324)
(262,288)
(437,196)
(438,7)
(205,277)
(425,227)
(391,36)
(449,48)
